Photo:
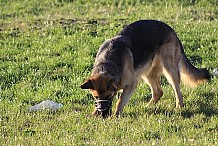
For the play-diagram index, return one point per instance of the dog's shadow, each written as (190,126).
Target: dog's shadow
(204,106)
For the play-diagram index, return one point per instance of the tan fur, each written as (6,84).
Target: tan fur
(188,79)
(99,83)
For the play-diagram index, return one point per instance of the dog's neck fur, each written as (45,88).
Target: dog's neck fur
(106,68)
(109,60)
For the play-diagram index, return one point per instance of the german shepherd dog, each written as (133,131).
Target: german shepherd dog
(145,49)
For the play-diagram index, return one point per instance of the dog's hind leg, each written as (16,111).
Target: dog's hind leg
(173,78)
(156,91)
(153,80)
(170,59)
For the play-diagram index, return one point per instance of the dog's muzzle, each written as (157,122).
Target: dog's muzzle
(103,105)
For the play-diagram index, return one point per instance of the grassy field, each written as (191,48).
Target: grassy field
(47,49)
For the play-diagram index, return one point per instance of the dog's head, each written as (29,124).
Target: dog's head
(103,88)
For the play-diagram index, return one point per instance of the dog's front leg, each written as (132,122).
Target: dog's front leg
(124,98)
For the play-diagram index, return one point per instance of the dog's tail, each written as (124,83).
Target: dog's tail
(191,75)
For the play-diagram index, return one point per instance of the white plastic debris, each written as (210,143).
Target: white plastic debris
(215,72)
(46,105)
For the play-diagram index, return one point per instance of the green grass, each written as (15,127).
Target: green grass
(47,49)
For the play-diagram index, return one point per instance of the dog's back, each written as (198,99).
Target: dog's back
(146,38)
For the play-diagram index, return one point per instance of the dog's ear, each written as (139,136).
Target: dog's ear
(87,85)
(112,86)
